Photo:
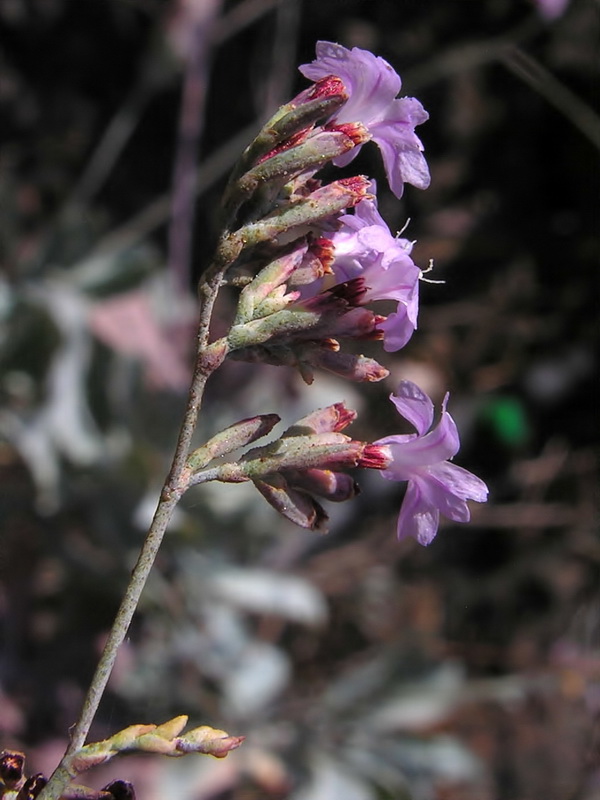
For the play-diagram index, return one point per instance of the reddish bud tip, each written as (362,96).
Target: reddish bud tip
(287,144)
(359,185)
(324,250)
(344,416)
(375,456)
(331,419)
(326,87)
(355,131)
(352,291)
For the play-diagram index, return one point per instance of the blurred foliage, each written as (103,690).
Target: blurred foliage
(358,667)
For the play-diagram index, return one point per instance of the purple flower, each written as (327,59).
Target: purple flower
(372,86)
(365,253)
(364,247)
(434,484)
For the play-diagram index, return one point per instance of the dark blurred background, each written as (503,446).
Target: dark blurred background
(359,668)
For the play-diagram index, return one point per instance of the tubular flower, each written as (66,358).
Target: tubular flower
(434,484)
(364,247)
(372,86)
(373,265)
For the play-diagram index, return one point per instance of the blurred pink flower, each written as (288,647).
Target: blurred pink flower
(551,9)
(128,324)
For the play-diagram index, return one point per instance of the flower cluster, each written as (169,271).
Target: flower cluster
(379,267)
(321,256)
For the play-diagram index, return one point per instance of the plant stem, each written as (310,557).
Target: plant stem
(177,481)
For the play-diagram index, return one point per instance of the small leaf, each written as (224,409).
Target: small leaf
(172,728)
(128,736)
(151,743)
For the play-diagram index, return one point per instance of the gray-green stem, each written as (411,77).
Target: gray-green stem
(176,483)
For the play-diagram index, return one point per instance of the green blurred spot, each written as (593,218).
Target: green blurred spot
(508,419)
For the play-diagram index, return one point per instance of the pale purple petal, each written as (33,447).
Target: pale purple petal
(424,451)
(396,280)
(412,302)
(397,329)
(370,81)
(440,494)
(401,148)
(417,518)
(378,239)
(347,157)
(460,482)
(366,215)
(396,438)
(367,212)
(402,164)
(439,444)
(414,405)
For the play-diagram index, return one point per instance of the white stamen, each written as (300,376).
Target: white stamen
(429,268)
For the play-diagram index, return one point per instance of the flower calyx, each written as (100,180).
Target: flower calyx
(308,460)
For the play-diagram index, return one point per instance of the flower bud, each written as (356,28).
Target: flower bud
(333,418)
(300,154)
(328,87)
(326,201)
(327,450)
(309,271)
(268,279)
(318,102)
(235,436)
(334,486)
(209,741)
(308,356)
(347,365)
(287,325)
(299,508)
(337,320)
